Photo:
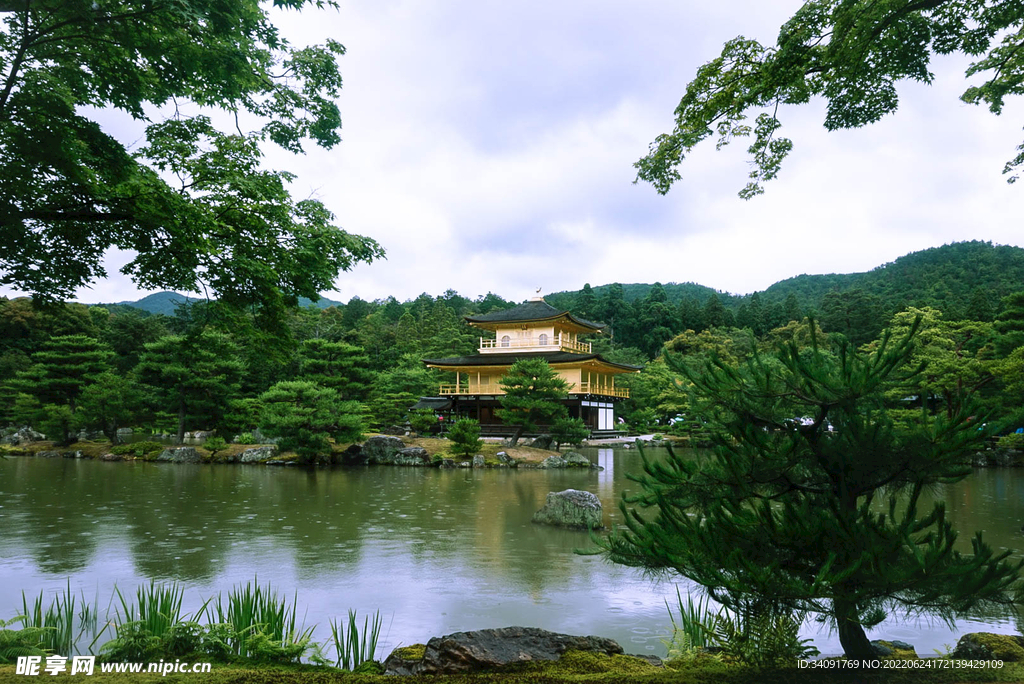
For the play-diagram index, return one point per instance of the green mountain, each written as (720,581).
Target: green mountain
(948,277)
(166,302)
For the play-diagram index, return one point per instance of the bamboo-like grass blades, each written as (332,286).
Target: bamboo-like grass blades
(251,608)
(351,651)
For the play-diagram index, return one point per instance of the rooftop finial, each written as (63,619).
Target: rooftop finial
(538,298)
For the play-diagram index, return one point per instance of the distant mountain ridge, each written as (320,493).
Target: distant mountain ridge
(166,302)
(945,277)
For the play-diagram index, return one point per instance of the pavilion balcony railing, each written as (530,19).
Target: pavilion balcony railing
(559,343)
(583,388)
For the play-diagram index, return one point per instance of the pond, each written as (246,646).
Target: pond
(436,551)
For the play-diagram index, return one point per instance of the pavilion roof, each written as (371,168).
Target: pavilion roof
(533,310)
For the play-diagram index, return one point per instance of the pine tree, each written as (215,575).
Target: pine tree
(306,416)
(1010,324)
(342,367)
(108,403)
(817,515)
(533,394)
(464,435)
(63,367)
(586,303)
(190,375)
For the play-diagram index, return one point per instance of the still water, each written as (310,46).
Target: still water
(436,551)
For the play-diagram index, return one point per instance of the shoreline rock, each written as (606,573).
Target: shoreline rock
(491,649)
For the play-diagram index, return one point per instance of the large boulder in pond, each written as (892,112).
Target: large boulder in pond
(381,449)
(571,508)
(494,649)
(180,455)
(258,454)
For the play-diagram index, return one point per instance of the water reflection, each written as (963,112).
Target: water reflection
(440,550)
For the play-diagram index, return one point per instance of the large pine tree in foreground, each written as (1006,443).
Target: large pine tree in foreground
(811,499)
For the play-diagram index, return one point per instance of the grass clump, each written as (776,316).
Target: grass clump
(260,622)
(350,649)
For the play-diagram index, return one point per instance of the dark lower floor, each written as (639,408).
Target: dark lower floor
(596,412)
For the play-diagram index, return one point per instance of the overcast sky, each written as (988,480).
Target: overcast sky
(488,146)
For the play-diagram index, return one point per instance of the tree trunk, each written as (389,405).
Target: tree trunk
(851,634)
(181,422)
(517,435)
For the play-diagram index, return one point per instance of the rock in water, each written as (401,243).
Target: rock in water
(381,449)
(258,454)
(571,508)
(552,462)
(490,649)
(180,455)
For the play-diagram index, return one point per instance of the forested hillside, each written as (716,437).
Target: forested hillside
(211,366)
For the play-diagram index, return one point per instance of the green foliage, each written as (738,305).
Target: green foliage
(157,608)
(64,176)
(423,421)
(533,393)
(306,416)
(569,431)
(215,444)
(690,632)
(1010,324)
(957,357)
(763,641)
(15,643)
(262,624)
(1011,441)
(132,643)
(783,516)
(351,650)
(58,423)
(850,53)
(337,365)
(192,375)
(63,367)
(108,403)
(464,435)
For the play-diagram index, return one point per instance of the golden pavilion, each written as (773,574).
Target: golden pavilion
(532,330)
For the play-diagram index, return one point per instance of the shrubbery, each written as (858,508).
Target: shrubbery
(465,437)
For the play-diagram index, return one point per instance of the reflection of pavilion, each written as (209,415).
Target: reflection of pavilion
(533,330)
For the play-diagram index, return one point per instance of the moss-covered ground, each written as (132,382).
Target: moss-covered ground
(705,673)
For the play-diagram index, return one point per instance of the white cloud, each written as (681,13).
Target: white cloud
(489,147)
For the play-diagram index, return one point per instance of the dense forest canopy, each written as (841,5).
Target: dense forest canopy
(58,361)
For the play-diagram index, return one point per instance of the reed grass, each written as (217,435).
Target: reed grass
(157,607)
(693,624)
(56,621)
(351,650)
(250,609)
